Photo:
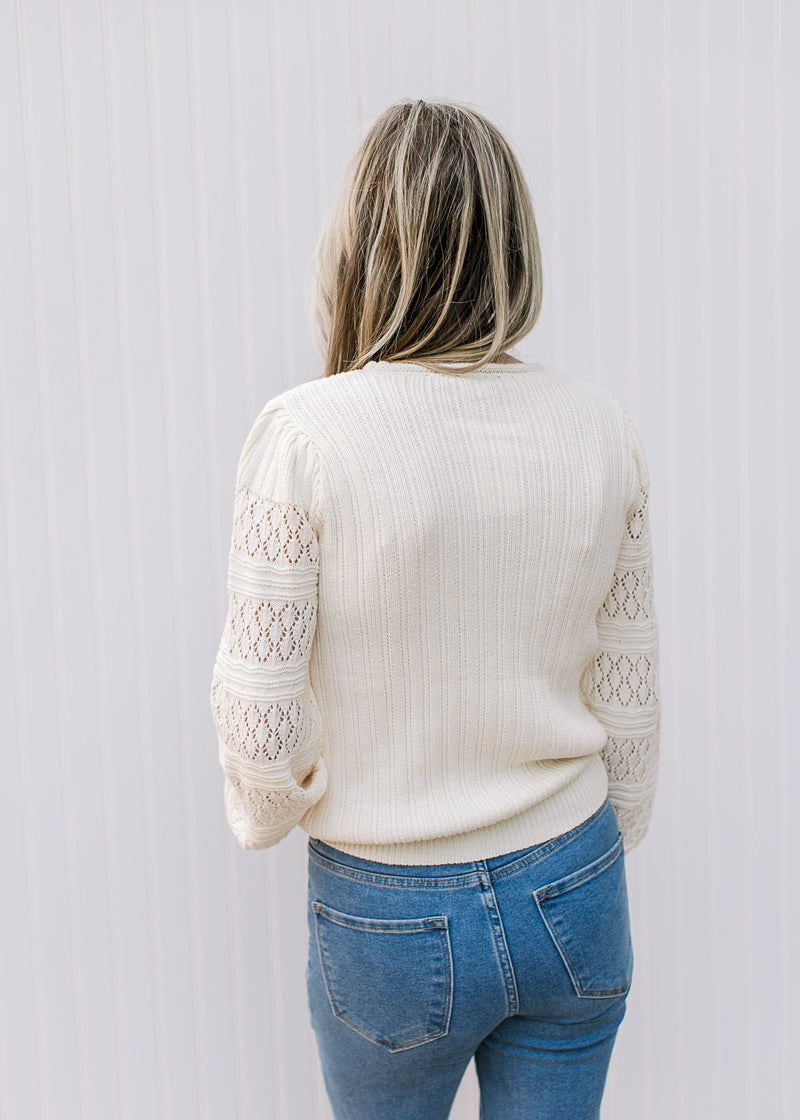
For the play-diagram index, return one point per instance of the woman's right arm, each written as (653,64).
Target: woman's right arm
(620,684)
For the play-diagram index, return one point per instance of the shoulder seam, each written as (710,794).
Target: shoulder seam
(319,479)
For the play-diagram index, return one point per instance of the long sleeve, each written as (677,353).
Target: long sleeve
(620,684)
(266,716)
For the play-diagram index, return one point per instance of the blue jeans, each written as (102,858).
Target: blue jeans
(523,961)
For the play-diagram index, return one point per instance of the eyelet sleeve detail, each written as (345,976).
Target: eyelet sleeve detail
(620,685)
(267,719)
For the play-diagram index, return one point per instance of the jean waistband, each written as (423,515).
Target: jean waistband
(494,863)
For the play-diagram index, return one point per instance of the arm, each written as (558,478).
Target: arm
(267,721)
(620,684)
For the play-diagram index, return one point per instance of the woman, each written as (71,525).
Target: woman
(440,656)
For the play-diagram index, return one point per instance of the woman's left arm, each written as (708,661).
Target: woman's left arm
(266,717)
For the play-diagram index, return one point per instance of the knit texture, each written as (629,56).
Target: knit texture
(440,642)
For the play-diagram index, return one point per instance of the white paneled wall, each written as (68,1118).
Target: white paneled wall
(166,168)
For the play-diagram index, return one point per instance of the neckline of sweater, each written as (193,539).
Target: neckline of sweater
(487,367)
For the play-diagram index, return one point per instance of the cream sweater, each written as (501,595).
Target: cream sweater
(440,642)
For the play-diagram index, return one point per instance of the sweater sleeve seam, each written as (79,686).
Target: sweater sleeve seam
(319,488)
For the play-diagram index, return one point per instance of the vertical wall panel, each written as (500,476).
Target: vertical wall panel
(167,170)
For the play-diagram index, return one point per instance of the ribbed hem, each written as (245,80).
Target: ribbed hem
(559,813)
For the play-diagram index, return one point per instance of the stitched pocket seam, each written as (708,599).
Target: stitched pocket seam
(438,923)
(562,886)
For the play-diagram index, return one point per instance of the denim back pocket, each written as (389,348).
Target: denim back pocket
(586,913)
(389,979)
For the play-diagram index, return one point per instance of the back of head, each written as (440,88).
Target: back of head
(430,253)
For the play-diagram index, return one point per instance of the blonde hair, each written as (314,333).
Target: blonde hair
(430,252)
